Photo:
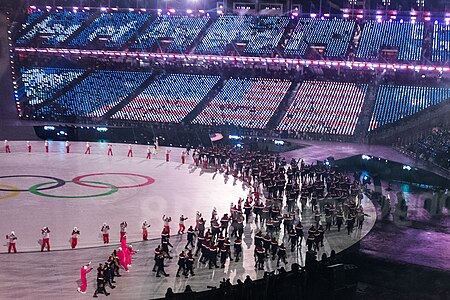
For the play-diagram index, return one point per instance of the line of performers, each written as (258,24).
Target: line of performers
(151,150)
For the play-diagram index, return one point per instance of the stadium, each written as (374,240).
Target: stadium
(232,150)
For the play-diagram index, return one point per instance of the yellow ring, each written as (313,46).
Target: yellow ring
(12,194)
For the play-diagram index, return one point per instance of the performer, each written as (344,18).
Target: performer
(130,151)
(123,229)
(46,146)
(45,238)
(11,242)
(198,216)
(121,258)
(67,147)
(110,150)
(216,163)
(167,154)
(156,144)
(145,225)
(149,152)
(166,221)
(75,235)
(105,233)
(100,282)
(181,226)
(205,162)
(84,270)
(183,156)
(88,148)
(28,146)
(7,148)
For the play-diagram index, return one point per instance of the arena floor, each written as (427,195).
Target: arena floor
(120,188)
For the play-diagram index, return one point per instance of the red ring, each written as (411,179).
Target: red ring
(78,179)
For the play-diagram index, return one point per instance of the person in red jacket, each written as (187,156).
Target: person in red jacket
(45,231)
(75,235)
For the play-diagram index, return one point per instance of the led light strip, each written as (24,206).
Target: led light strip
(243,59)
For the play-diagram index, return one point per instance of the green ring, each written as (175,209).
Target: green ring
(34,190)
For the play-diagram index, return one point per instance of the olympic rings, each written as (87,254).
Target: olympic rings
(58,183)
(35,190)
(149,180)
(14,191)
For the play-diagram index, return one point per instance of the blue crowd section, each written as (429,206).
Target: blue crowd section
(95,95)
(393,103)
(110,30)
(54,29)
(406,37)
(441,43)
(248,103)
(231,35)
(31,18)
(260,35)
(334,34)
(169,98)
(178,31)
(325,107)
(40,84)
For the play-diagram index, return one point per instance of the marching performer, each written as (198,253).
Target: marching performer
(45,238)
(28,146)
(110,150)
(123,230)
(75,235)
(105,233)
(181,226)
(83,272)
(7,148)
(67,147)
(198,216)
(11,242)
(130,151)
(167,154)
(149,152)
(156,144)
(183,156)
(145,225)
(46,146)
(216,163)
(166,221)
(88,148)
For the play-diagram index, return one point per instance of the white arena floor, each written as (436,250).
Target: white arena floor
(97,188)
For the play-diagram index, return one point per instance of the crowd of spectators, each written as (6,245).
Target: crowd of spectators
(434,148)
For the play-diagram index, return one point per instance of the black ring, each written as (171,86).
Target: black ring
(59,182)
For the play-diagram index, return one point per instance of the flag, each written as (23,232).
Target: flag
(214,137)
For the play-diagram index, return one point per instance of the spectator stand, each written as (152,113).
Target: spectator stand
(330,38)
(440,50)
(170,34)
(110,30)
(169,98)
(393,103)
(325,108)
(247,103)
(54,29)
(243,35)
(391,40)
(95,95)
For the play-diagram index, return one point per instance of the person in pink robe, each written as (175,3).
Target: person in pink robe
(83,272)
